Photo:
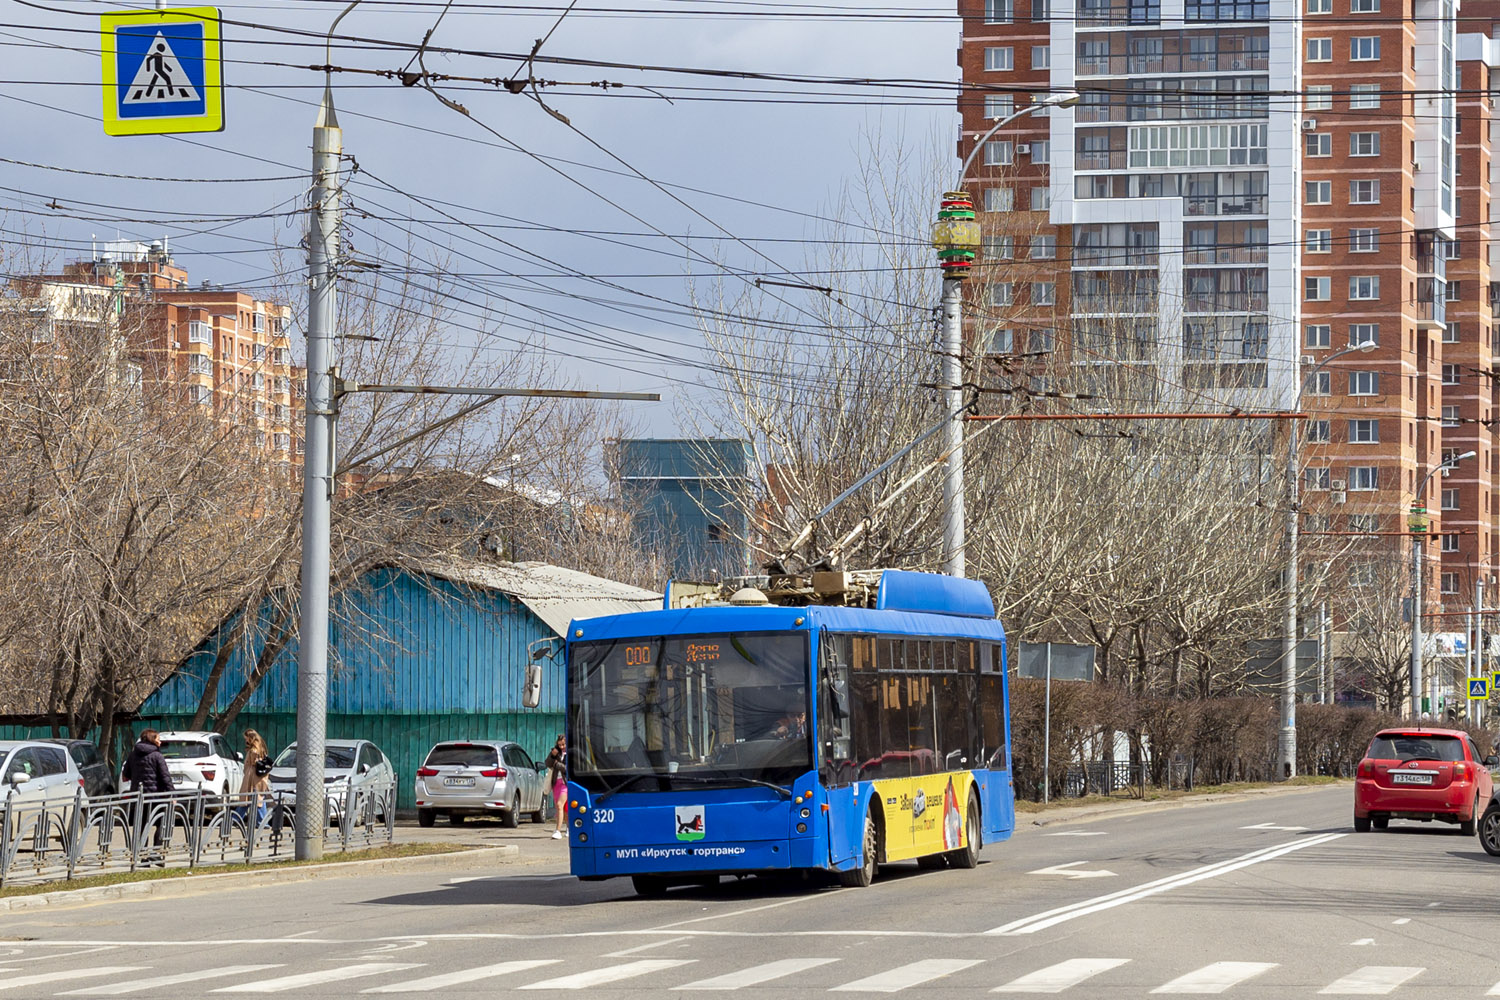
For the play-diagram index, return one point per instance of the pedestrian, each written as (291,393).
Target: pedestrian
(146,770)
(256,782)
(557,768)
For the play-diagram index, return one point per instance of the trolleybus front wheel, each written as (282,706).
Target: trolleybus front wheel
(649,886)
(858,878)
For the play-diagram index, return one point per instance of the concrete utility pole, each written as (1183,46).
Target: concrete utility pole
(956,235)
(1286,737)
(1416,523)
(317,482)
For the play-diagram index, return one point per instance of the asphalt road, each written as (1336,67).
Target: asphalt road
(1269,898)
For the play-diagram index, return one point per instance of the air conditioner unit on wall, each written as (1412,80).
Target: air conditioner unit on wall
(1308,124)
(1337,496)
(1337,485)
(1023,148)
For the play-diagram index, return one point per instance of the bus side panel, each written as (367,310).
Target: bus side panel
(998,799)
(924,815)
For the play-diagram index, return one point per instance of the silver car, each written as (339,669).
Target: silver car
(352,771)
(466,778)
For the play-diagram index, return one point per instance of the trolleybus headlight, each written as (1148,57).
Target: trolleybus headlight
(806,813)
(583,838)
(801,827)
(578,823)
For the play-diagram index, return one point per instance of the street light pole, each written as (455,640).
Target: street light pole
(956,236)
(1416,523)
(1286,737)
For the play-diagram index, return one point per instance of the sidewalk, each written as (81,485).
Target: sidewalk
(1054,815)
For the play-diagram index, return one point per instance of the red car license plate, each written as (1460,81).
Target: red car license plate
(1407,778)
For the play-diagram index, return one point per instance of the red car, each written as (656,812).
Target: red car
(1422,774)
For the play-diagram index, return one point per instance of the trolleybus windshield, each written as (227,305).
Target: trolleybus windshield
(659,712)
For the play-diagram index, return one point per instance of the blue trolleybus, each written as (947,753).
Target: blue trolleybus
(748,736)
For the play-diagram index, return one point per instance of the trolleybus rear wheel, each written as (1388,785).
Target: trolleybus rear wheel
(649,886)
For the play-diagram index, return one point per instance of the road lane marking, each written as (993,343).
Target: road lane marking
(1362,942)
(1273,826)
(757,974)
(608,974)
(38,978)
(903,976)
(1401,920)
(288,983)
(1071,870)
(156,982)
(1077,833)
(1056,978)
(1050,918)
(1215,978)
(463,976)
(647,947)
(1372,980)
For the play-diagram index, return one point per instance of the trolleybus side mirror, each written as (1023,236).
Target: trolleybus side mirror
(531,688)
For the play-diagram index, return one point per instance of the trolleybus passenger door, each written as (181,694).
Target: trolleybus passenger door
(835,747)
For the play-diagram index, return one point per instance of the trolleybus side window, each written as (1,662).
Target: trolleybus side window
(835,654)
(991,703)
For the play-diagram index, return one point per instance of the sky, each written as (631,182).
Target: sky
(740,182)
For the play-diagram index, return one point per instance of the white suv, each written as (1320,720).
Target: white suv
(33,771)
(200,760)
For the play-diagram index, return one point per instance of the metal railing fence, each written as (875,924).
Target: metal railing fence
(64,838)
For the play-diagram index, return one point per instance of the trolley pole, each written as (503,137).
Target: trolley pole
(317,483)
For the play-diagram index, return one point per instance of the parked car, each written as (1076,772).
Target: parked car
(466,778)
(97,781)
(200,760)
(351,770)
(1422,774)
(33,772)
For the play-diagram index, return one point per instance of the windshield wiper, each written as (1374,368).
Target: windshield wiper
(626,784)
(704,778)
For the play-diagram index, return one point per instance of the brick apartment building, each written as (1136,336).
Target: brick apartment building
(1242,189)
(226,350)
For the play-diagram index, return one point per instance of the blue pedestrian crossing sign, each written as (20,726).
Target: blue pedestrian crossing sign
(163,71)
(1479,688)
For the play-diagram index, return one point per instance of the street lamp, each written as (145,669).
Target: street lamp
(1416,523)
(956,236)
(1286,743)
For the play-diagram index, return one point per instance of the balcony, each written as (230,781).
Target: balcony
(1430,306)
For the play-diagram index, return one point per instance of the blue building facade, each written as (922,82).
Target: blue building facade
(417,657)
(692,498)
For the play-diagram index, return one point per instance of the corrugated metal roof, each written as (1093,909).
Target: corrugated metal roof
(554,594)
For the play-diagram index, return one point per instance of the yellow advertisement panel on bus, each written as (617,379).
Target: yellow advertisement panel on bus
(924,815)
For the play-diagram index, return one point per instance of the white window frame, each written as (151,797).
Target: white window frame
(998,106)
(1364,478)
(1452,333)
(1364,96)
(1318,49)
(1364,48)
(1365,191)
(999,58)
(1000,199)
(1364,287)
(1319,97)
(1317,289)
(1364,240)
(1317,192)
(1364,143)
(1361,332)
(1451,416)
(1364,383)
(1364,431)
(1317,144)
(1317,240)
(1041,57)
(1321,339)
(998,153)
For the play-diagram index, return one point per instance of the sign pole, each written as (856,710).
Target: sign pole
(1047,731)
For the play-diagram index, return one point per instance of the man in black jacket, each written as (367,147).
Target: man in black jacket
(146,770)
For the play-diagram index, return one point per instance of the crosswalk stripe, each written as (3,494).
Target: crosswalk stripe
(462,976)
(38,978)
(757,974)
(1056,978)
(1215,978)
(287,983)
(608,974)
(137,985)
(1372,980)
(907,975)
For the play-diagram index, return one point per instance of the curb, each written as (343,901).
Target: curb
(193,885)
(1134,808)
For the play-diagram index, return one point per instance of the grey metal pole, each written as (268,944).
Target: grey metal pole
(1479,670)
(1047,731)
(1286,737)
(1325,655)
(1416,626)
(953,431)
(317,483)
